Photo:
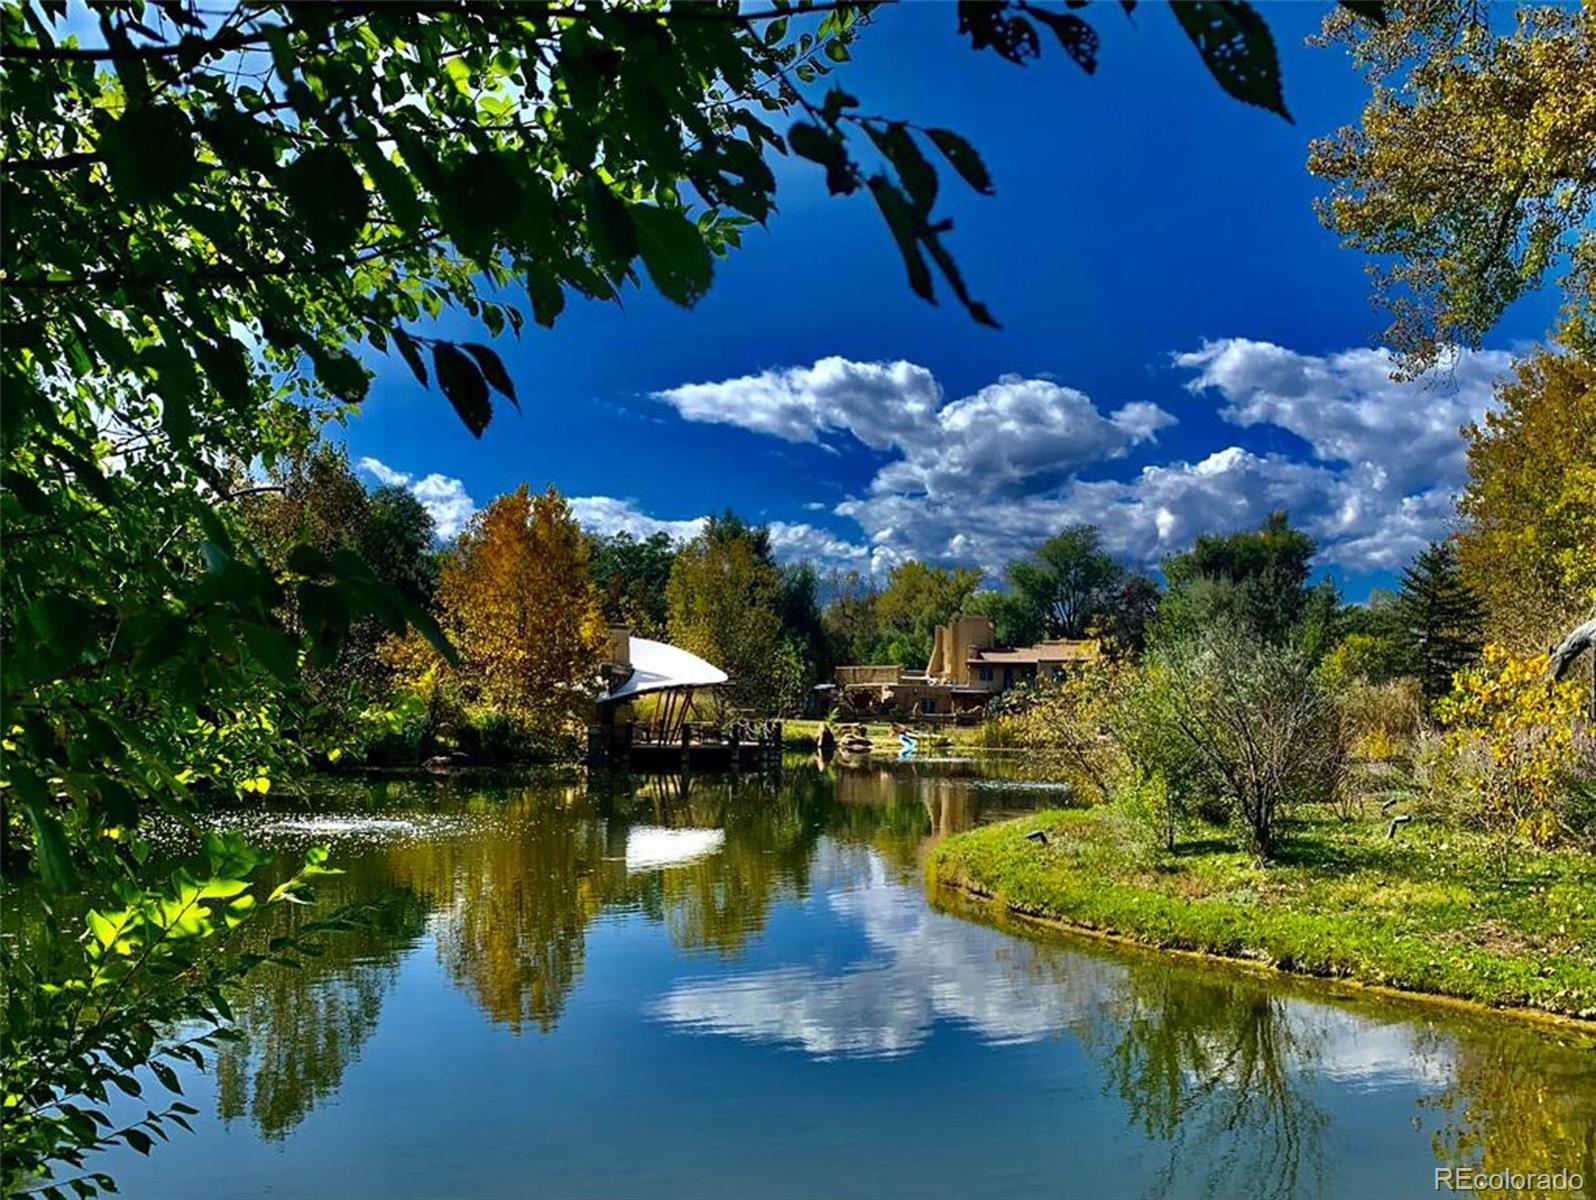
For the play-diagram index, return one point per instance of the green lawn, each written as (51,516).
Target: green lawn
(802,735)
(1421,913)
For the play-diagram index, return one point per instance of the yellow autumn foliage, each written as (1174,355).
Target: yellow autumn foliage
(1510,745)
(516,599)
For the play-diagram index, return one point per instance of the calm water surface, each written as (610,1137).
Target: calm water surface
(640,987)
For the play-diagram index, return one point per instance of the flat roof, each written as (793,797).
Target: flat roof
(1044,652)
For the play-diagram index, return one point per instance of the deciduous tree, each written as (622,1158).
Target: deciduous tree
(723,595)
(918,597)
(1528,542)
(1255,581)
(1070,582)
(518,602)
(631,574)
(1471,172)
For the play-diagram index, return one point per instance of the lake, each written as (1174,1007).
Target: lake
(627,986)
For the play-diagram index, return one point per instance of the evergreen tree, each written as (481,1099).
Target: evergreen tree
(1442,619)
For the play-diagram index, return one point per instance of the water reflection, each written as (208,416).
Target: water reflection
(1231,1084)
(303,1028)
(1198,1063)
(917,966)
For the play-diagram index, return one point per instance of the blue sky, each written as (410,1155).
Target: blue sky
(1183,346)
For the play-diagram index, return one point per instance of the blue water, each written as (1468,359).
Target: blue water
(627,987)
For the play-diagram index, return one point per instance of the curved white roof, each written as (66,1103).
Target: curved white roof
(658,667)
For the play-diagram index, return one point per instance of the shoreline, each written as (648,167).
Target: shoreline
(987,906)
(1079,889)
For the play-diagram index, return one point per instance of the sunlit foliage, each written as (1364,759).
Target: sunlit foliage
(1472,166)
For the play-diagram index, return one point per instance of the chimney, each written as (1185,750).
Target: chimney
(620,649)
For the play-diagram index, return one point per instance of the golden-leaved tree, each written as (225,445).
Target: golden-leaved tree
(1471,168)
(517,600)
(1528,545)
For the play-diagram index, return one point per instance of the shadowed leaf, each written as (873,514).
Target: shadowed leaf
(674,252)
(327,196)
(1237,48)
(463,384)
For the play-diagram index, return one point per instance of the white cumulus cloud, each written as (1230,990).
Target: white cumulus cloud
(1011,435)
(443,496)
(608,515)
(789,541)
(1349,410)
(986,477)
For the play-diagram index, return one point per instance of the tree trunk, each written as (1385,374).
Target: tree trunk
(1566,652)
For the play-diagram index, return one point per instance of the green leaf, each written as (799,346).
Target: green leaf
(963,158)
(411,353)
(427,627)
(837,100)
(167,1076)
(463,384)
(239,141)
(305,559)
(139,1140)
(393,184)
(340,373)
(548,298)
(324,611)
(609,225)
(149,152)
(50,849)
(1238,49)
(492,367)
(273,649)
(227,367)
(65,624)
(165,641)
(328,197)
(176,382)
(900,220)
(481,197)
(674,252)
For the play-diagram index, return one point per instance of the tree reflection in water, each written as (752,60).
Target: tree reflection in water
(511,903)
(507,881)
(1509,1106)
(302,1028)
(1218,1070)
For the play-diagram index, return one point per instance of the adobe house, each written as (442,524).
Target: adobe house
(966,669)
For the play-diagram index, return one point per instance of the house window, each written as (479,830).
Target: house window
(1008,676)
(986,674)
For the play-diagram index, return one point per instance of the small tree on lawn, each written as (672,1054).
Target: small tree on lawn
(1246,723)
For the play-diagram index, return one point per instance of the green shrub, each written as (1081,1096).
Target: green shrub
(1223,718)
(495,739)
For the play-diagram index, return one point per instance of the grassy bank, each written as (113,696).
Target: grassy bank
(1423,913)
(803,734)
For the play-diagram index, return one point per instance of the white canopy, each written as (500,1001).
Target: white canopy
(657,667)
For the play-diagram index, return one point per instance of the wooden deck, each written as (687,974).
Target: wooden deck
(745,746)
